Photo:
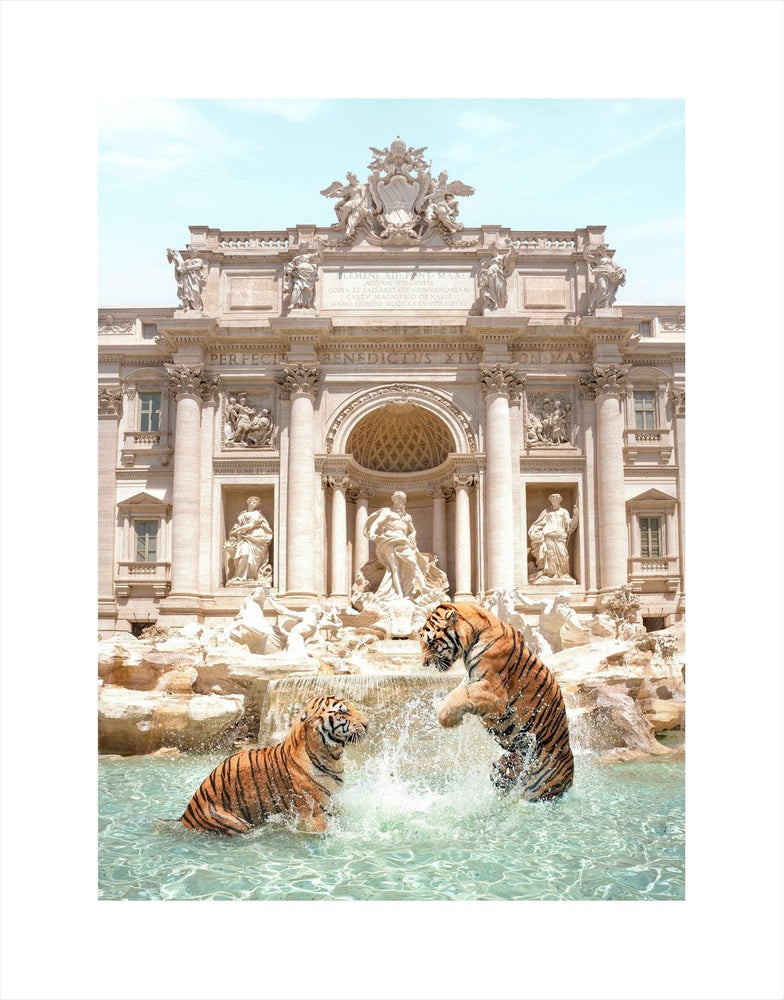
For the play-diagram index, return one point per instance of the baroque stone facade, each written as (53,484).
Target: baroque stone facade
(321,369)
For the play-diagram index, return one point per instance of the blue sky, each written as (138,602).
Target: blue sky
(259,164)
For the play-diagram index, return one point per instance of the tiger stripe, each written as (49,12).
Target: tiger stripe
(298,776)
(512,692)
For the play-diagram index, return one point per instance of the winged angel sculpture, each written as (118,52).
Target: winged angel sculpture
(400,203)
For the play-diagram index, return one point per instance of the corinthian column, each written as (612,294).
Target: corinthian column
(300,383)
(109,413)
(463,483)
(606,386)
(207,550)
(439,497)
(187,384)
(498,384)
(361,543)
(338,538)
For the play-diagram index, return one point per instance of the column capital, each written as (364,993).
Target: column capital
(336,482)
(186,380)
(360,493)
(299,379)
(678,400)
(464,479)
(605,380)
(209,390)
(110,402)
(443,491)
(503,379)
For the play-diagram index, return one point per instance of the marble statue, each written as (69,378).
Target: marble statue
(190,278)
(549,535)
(559,625)
(408,572)
(301,274)
(607,277)
(354,206)
(492,279)
(441,204)
(248,545)
(244,426)
(298,629)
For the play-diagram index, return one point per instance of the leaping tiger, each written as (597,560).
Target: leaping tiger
(512,692)
(298,776)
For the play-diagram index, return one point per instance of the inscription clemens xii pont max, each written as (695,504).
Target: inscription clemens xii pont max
(404,289)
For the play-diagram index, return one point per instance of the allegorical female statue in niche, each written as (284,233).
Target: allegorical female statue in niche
(248,545)
(549,535)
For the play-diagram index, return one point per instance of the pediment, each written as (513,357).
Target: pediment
(145,501)
(652,497)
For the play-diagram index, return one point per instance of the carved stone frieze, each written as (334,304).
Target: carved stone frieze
(605,379)
(501,378)
(109,325)
(675,324)
(300,378)
(110,402)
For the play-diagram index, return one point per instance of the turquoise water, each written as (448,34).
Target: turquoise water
(418,819)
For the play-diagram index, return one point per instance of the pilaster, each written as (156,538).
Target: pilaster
(110,402)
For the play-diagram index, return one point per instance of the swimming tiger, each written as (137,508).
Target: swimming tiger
(297,776)
(512,692)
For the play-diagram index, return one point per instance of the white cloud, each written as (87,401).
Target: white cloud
(292,110)
(483,124)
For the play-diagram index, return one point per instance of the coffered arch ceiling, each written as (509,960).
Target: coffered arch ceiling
(400,437)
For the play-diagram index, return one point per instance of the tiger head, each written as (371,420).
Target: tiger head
(333,721)
(441,643)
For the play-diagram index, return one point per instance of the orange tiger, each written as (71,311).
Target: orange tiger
(297,776)
(515,696)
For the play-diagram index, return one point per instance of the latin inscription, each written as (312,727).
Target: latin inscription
(405,289)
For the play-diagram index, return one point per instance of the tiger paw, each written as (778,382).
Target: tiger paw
(449,717)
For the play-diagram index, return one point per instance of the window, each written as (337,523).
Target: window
(149,331)
(644,409)
(650,537)
(146,541)
(644,328)
(149,411)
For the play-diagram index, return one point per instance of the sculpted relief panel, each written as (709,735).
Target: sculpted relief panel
(247,422)
(549,419)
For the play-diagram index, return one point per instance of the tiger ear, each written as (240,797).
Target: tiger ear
(451,617)
(303,716)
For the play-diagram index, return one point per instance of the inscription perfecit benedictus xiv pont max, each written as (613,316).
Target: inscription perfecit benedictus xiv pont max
(256,359)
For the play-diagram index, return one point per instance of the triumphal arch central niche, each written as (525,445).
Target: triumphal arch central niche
(389,405)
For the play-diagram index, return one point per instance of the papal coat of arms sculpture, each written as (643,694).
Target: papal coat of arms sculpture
(401,204)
